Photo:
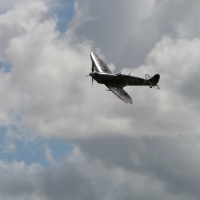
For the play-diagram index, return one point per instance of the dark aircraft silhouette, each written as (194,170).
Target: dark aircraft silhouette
(115,82)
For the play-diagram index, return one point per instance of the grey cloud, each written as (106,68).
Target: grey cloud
(127,31)
(66,181)
(48,82)
(173,161)
(7,5)
(16,21)
(111,168)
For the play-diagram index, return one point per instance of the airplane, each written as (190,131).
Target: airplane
(116,82)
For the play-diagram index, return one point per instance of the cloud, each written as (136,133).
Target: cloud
(48,90)
(112,168)
(71,180)
(127,31)
(163,160)
(17,179)
(120,151)
(48,155)
(44,67)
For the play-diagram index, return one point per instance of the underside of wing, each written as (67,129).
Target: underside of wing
(121,93)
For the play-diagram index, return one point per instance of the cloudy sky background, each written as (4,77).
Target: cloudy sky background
(62,138)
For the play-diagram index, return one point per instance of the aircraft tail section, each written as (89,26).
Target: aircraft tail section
(154,80)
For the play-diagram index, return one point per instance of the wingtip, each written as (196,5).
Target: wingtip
(130,102)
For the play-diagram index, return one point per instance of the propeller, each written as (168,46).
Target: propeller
(93,69)
(92,72)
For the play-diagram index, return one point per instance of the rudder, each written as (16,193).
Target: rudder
(155,79)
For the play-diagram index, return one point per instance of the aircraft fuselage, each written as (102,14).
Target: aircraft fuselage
(118,79)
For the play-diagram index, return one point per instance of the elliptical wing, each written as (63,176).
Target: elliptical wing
(98,64)
(121,93)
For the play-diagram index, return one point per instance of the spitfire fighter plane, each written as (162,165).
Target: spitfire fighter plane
(116,82)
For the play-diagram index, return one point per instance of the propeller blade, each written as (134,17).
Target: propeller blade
(92,81)
(87,75)
(92,67)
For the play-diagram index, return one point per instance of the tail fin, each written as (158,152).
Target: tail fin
(154,80)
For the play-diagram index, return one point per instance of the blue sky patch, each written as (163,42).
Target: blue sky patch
(5,66)
(59,148)
(65,13)
(33,152)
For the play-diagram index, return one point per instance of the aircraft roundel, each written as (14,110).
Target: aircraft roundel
(132,81)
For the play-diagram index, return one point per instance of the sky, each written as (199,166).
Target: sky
(61,138)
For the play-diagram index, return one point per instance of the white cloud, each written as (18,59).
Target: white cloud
(47,84)
(126,31)
(48,155)
(74,179)
(46,94)
(121,169)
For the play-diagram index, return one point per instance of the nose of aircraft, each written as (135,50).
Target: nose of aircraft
(91,74)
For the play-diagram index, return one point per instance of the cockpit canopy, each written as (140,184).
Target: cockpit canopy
(119,74)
